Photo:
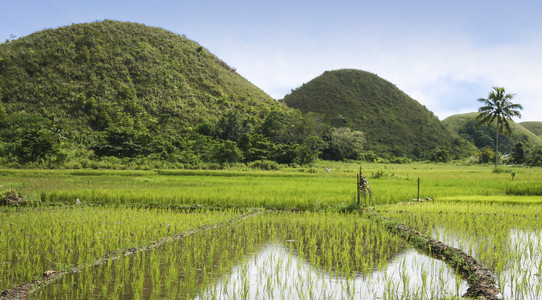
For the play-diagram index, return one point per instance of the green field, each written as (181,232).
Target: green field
(297,188)
(197,232)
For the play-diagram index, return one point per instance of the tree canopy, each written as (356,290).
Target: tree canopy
(498,107)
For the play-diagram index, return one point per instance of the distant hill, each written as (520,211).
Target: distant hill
(534,127)
(465,126)
(91,76)
(393,123)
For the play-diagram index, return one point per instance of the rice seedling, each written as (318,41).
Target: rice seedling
(505,238)
(484,213)
(291,189)
(33,240)
(276,255)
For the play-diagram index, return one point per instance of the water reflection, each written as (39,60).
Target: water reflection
(523,278)
(515,255)
(275,272)
(299,256)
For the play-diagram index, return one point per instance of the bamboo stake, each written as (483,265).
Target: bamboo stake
(418,189)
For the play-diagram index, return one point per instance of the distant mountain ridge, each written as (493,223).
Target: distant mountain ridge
(394,123)
(127,90)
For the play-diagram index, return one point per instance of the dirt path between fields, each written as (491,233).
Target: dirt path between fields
(22,291)
(482,283)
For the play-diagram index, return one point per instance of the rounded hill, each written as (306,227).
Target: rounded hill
(393,123)
(465,125)
(95,75)
(126,93)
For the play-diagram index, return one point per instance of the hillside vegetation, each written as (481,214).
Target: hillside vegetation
(98,74)
(394,124)
(126,91)
(534,127)
(465,125)
(115,94)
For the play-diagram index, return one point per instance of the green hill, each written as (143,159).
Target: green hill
(534,127)
(89,76)
(465,126)
(126,93)
(393,123)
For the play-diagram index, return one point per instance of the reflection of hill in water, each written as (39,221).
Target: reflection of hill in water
(275,272)
(268,257)
(356,252)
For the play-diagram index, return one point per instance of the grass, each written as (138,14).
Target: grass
(524,189)
(290,189)
(33,240)
(483,212)
(273,255)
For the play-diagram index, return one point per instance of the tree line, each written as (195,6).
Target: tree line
(283,137)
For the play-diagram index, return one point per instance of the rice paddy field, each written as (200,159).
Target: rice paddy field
(296,233)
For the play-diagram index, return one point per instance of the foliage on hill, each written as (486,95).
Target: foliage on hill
(113,73)
(123,91)
(393,123)
(466,126)
(534,127)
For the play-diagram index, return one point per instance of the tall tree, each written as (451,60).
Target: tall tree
(498,107)
(518,155)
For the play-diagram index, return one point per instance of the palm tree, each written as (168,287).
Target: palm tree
(498,106)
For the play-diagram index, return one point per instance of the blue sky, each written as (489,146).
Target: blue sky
(445,54)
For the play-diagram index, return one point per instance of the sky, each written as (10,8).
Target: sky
(444,54)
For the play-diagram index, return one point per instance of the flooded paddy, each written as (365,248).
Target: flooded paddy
(507,240)
(276,273)
(272,255)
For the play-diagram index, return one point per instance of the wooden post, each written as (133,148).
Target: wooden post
(363,188)
(357,188)
(418,189)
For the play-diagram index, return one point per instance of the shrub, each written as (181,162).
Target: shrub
(439,155)
(381,174)
(500,170)
(264,165)
(378,174)
(400,160)
(535,157)
(485,155)
(212,166)
(11,198)
(369,156)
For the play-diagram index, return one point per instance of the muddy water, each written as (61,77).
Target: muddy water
(261,259)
